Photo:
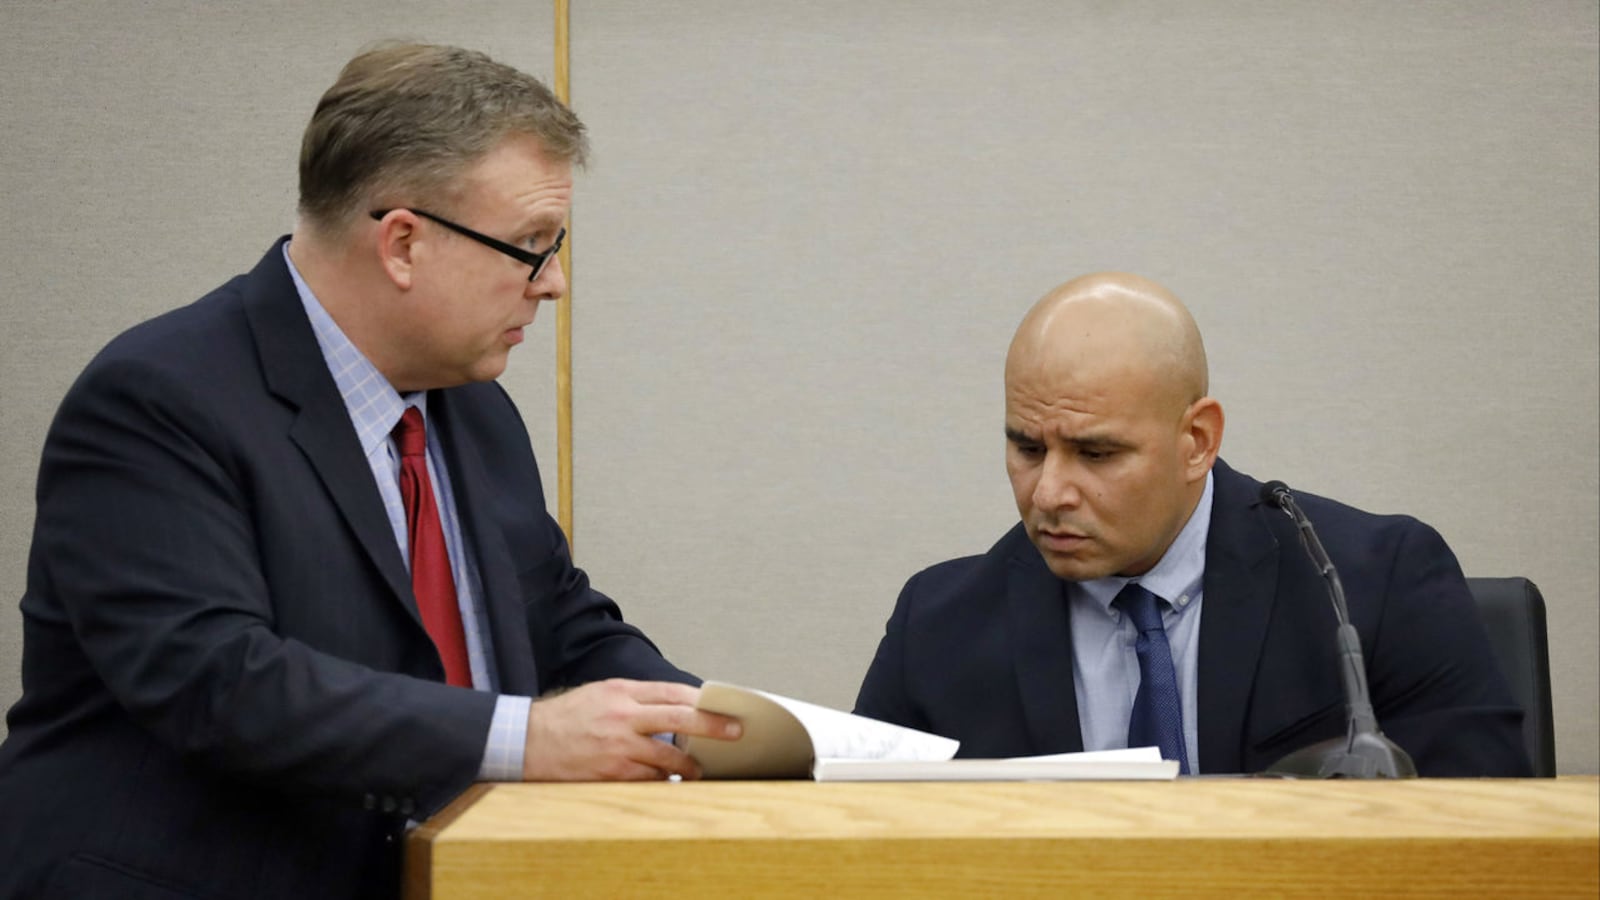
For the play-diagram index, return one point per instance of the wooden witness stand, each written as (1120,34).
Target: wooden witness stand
(1191,837)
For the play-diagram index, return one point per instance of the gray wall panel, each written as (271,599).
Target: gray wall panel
(809,230)
(149,153)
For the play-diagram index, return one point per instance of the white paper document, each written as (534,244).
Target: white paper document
(1135,764)
(784,737)
(788,738)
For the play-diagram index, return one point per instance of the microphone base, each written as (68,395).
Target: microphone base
(1366,755)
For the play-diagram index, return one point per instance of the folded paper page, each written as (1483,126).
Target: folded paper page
(784,737)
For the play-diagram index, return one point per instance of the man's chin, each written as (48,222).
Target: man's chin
(488,369)
(1074,568)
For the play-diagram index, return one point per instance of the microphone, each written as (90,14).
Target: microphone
(1363,752)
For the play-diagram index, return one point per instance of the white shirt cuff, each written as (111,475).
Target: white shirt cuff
(508,739)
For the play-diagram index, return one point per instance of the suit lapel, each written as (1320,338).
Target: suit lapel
(1240,578)
(295,371)
(497,576)
(1041,638)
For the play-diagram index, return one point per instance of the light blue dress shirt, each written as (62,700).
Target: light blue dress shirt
(1105,666)
(375,408)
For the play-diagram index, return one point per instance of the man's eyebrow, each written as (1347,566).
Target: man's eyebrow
(542,223)
(1098,442)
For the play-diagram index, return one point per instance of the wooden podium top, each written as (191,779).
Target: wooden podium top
(1193,836)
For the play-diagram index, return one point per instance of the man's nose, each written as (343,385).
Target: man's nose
(1057,487)
(551,283)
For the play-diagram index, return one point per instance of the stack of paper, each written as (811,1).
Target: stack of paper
(788,738)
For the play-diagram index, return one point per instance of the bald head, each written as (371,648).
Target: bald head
(1110,324)
(1109,432)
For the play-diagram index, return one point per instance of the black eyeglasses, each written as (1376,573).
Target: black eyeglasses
(527,258)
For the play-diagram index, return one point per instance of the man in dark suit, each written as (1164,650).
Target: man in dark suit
(292,582)
(1041,644)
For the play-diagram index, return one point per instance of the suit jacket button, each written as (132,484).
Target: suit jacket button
(389,805)
(369,802)
(407,807)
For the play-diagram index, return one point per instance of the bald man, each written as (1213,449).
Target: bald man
(1140,551)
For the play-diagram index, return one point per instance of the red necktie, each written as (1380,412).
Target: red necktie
(430,562)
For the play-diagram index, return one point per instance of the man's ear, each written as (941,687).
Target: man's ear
(395,245)
(1202,436)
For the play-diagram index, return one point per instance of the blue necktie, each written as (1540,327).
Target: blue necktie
(1157,708)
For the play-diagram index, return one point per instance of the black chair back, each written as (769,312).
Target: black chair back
(1512,610)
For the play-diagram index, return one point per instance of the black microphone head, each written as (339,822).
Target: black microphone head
(1276,493)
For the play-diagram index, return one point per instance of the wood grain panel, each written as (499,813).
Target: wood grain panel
(1194,837)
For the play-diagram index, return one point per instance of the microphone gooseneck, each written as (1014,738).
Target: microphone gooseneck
(1364,752)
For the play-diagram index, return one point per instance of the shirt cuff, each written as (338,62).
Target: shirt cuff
(508,739)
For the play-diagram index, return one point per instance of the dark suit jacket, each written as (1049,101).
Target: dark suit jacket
(980,649)
(227,691)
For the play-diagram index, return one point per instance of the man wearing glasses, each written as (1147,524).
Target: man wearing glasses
(292,582)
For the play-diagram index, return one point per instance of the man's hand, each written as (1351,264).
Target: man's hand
(602,732)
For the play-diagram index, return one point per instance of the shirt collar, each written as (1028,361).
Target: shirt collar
(373,404)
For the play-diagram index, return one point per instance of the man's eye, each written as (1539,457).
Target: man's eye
(1096,455)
